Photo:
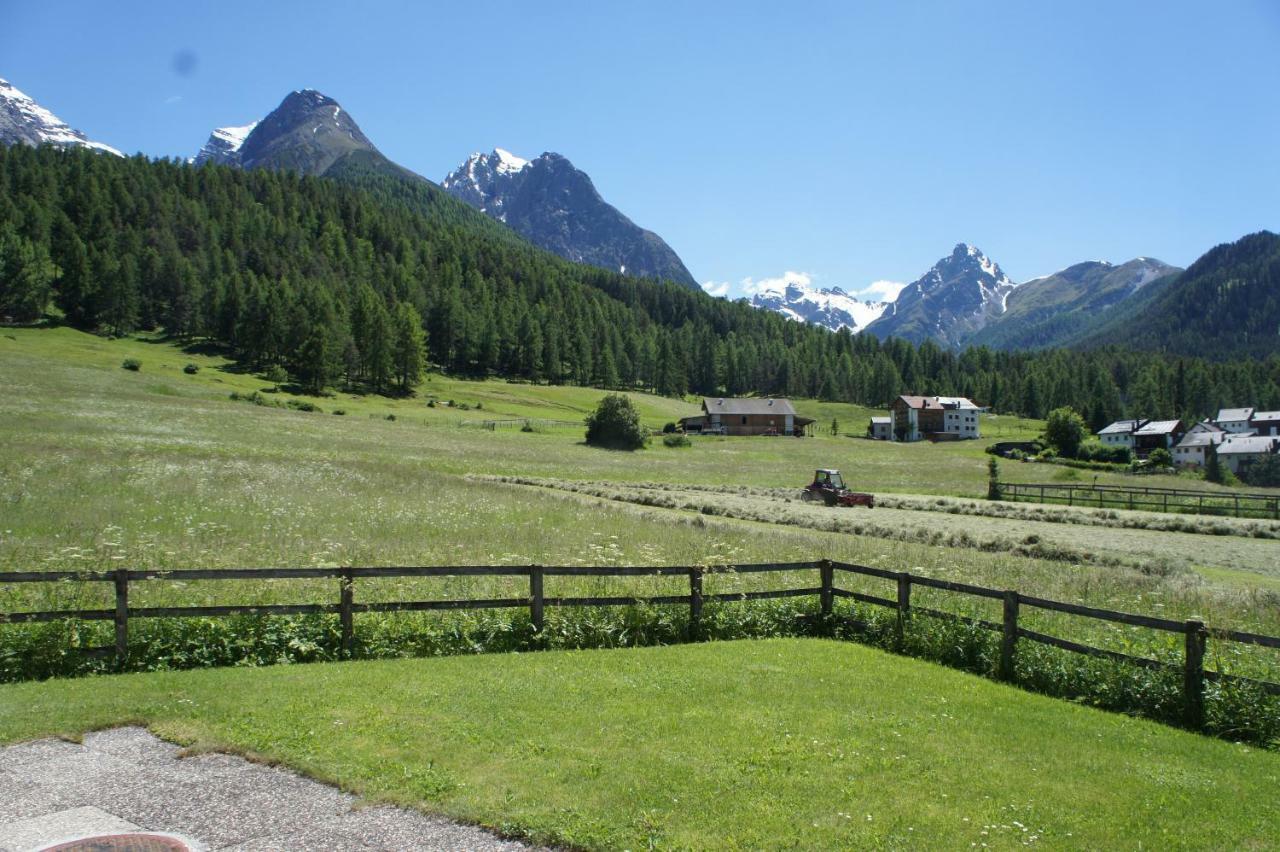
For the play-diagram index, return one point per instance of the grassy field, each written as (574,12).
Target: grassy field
(764,744)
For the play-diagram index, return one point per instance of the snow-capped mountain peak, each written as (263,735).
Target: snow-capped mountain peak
(508,162)
(22,120)
(224,144)
(795,297)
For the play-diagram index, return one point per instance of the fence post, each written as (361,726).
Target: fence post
(122,615)
(535,597)
(695,600)
(827,574)
(1009,640)
(904,605)
(1193,675)
(346,613)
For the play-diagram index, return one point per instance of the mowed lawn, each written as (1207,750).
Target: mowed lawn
(796,743)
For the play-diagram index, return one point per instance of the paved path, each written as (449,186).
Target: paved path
(125,779)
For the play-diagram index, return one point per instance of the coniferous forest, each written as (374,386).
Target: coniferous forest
(353,281)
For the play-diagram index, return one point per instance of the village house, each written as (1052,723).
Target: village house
(1265,423)
(1190,451)
(935,418)
(1157,434)
(1238,452)
(1235,420)
(881,428)
(1120,433)
(728,416)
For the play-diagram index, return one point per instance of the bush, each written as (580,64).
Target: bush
(431,403)
(1263,473)
(339,412)
(994,490)
(277,375)
(1065,431)
(1096,451)
(391,417)
(668,428)
(615,424)
(675,440)
(132,364)
(191,369)
(1160,457)
(302,405)
(527,427)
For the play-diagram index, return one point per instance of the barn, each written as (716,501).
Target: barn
(729,416)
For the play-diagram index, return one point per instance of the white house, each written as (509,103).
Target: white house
(1191,449)
(1234,419)
(1120,433)
(937,418)
(881,428)
(1239,451)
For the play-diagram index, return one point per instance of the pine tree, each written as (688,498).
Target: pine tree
(409,351)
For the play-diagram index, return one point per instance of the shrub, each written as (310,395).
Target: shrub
(1160,457)
(479,406)
(277,375)
(615,424)
(302,405)
(391,417)
(994,491)
(132,364)
(527,427)
(1065,431)
(1264,473)
(668,428)
(339,412)
(675,440)
(191,369)
(431,403)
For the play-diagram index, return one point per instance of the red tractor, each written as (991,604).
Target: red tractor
(828,486)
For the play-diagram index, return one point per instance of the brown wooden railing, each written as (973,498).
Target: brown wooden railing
(1240,505)
(1194,631)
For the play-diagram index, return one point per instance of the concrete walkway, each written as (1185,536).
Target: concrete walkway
(127,780)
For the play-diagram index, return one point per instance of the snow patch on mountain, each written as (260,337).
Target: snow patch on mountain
(225,143)
(796,297)
(22,120)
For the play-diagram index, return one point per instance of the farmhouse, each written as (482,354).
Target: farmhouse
(1191,449)
(1120,433)
(727,416)
(1157,434)
(881,428)
(936,418)
(1238,452)
(1234,419)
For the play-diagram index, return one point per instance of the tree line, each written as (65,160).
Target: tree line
(363,281)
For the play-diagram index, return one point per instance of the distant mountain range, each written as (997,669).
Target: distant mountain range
(547,201)
(1226,304)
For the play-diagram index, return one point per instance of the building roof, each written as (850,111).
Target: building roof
(882,421)
(1265,415)
(938,403)
(1201,439)
(1247,445)
(729,405)
(1206,427)
(1228,415)
(1121,427)
(1158,427)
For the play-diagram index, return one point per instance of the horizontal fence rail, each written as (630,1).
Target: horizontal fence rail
(1151,499)
(1195,633)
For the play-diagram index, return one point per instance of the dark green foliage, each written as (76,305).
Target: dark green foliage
(191,369)
(1213,468)
(132,364)
(668,428)
(615,424)
(1160,457)
(835,427)
(277,375)
(1263,473)
(26,276)
(675,440)
(1065,431)
(994,490)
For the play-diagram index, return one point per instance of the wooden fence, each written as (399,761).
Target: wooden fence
(1195,633)
(520,423)
(1184,500)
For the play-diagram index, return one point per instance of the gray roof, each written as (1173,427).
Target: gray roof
(882,420)
(1201,439)
(1121,427)
(728,405)
(1266,415)
(1206,426)
(1247,444)
(1229,414)
(1159,427)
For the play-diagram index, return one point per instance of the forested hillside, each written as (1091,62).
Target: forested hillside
(1226,305)
(334,279)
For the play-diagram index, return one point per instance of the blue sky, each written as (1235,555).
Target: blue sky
(849,142)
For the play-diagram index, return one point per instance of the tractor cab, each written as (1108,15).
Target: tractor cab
(828,487)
